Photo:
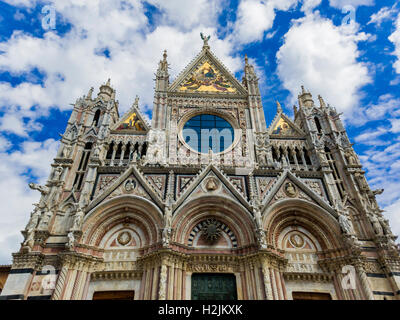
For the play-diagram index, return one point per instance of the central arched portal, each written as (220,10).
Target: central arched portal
(214,286)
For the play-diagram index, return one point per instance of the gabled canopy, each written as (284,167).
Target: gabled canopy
(206,74)
(132,121)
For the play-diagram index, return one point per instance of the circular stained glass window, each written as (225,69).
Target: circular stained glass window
(207,131)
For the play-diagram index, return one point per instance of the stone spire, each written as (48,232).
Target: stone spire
(90,93)
(305,98)
(278,107)
(162,75)
(106,91)
(321,102)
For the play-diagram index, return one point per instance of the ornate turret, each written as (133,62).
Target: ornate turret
(106,91)
(305,98)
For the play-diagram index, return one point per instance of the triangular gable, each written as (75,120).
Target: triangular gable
(298,189)
(205,182)
(282,126)
(206,74)
(138,183)
(132,121)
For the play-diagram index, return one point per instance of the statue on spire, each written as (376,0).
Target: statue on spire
(205,39)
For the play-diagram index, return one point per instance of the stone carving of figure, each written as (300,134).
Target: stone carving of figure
(30,234)
(97,150)
(78,219)
(290,190)
(32,224)
(260,234)
(71,240)
(44,222)
(44,191)
(66,152)
(211,185)
(376,224)
(258,219)
(166,236)
(130,185)
(351,159)
(57,173)
(385,226)
(263,158)
(345,224)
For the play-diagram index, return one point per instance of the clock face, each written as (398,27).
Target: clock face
(206,131)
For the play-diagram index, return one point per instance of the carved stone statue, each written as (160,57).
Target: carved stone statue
(260,234)
(166,236)
(97,150)
(290,189)
(32,224)
(351,158)
(78,219)
(257,218)
(71,240)
(45,220)
(30,241)
(376,225)
(66,152)
(345,224)
(57,173)
(385,226)
(42,189)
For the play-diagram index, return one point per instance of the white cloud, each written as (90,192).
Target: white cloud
(309,5)
(254,17)
(387,105)
(393,214)
(383,14)
(15,195)
(355,3)
(395,38)
(188,14)
(72,63)
(370,136)
(395,125)
(323,57)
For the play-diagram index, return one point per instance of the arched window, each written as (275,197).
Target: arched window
(80,173)
(96,118)
(318,124)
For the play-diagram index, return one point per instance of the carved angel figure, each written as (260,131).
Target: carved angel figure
(78,219)
(345,224)
(71,240)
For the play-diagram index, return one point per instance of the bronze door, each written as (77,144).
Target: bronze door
(213,286)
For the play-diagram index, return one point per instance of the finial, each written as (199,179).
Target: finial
(279,107)
(89,95)
(303,91)
(205,39)
(246,59)
(165,55)
(321,102)
(136,100)
(108,82)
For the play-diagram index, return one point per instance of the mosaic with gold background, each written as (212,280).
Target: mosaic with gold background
(208,79)
(132,123)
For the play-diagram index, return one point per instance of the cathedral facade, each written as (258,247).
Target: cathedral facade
(206,202)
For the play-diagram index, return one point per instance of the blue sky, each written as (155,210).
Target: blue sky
(346,50)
